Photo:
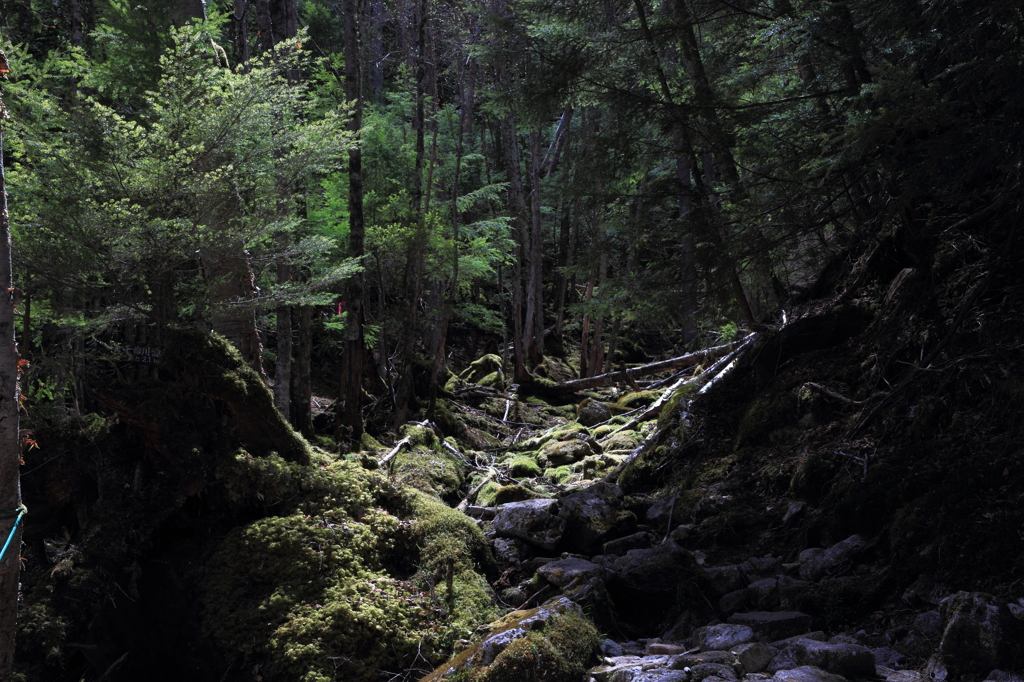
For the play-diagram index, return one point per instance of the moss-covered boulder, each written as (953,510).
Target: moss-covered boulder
(558,453)
(552,643)
(483,367)
(593,412)
(524,466)
(623,440)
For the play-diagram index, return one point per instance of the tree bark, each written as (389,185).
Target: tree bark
(240,17)
(302,391)
(350,417)
(533,333)
(10,456)
(232,289)
(283,367)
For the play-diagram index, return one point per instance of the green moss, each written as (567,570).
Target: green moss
(436,472)
(494,379)
(482,367)
(670,411)
(513,493)
(368,443)
(603,430)
(560,652)
(623,440)
(485,497)
(524,466)
(638,399)
(560,474)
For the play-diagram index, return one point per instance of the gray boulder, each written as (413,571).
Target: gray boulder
(759,568)
(755,656)
(563,572)
(979,634)
(725,579)
(593,516)
(764,594)
(531,521)
(722,637)
(806,674)
(848,660)
(647,584)
(773,625)
(833,559)
(620,546)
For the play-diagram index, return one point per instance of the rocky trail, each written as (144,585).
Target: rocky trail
(717,573)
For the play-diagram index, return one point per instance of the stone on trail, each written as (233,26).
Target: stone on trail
(722,637)
(725,579)
(620,546)
(832,559)
(980,634)
(773,625)
(563,572)
(759,568)
(689,660)
(848,660)
(806,674)
(755,656)
(531,521)
(647,583)
(592,516)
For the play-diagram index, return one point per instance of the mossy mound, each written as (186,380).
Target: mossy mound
(435,472)
(485,366)
(316,587)
(623,440)
(552,643)
(524,466)
(209,365)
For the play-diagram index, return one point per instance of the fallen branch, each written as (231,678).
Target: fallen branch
(386,459)
(705,380)
(702,380)
(627,375)
(471,495)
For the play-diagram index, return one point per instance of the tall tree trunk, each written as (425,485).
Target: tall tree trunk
(240,17)
(517,201)
(350,419)
(302,376)
(283,367)
(414,268)
(533,333)
(10,456)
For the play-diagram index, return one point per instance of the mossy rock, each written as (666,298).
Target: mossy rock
(485,498)
(592,412)
(562,474)
(623,440)
(435,472)
(368,443)
(564,452)
(513,493)
(494,380)
(674,406)
(524,466)
(604,429)
(552,643)
(420,436)
(638,399)
(482,367)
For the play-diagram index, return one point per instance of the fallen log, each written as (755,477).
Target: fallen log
(629,375)
(701,381)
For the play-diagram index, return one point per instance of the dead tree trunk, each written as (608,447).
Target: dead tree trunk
(687,360)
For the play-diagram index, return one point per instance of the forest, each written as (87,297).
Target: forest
(511,340)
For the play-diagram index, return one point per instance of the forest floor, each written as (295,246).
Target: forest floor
(884,415)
